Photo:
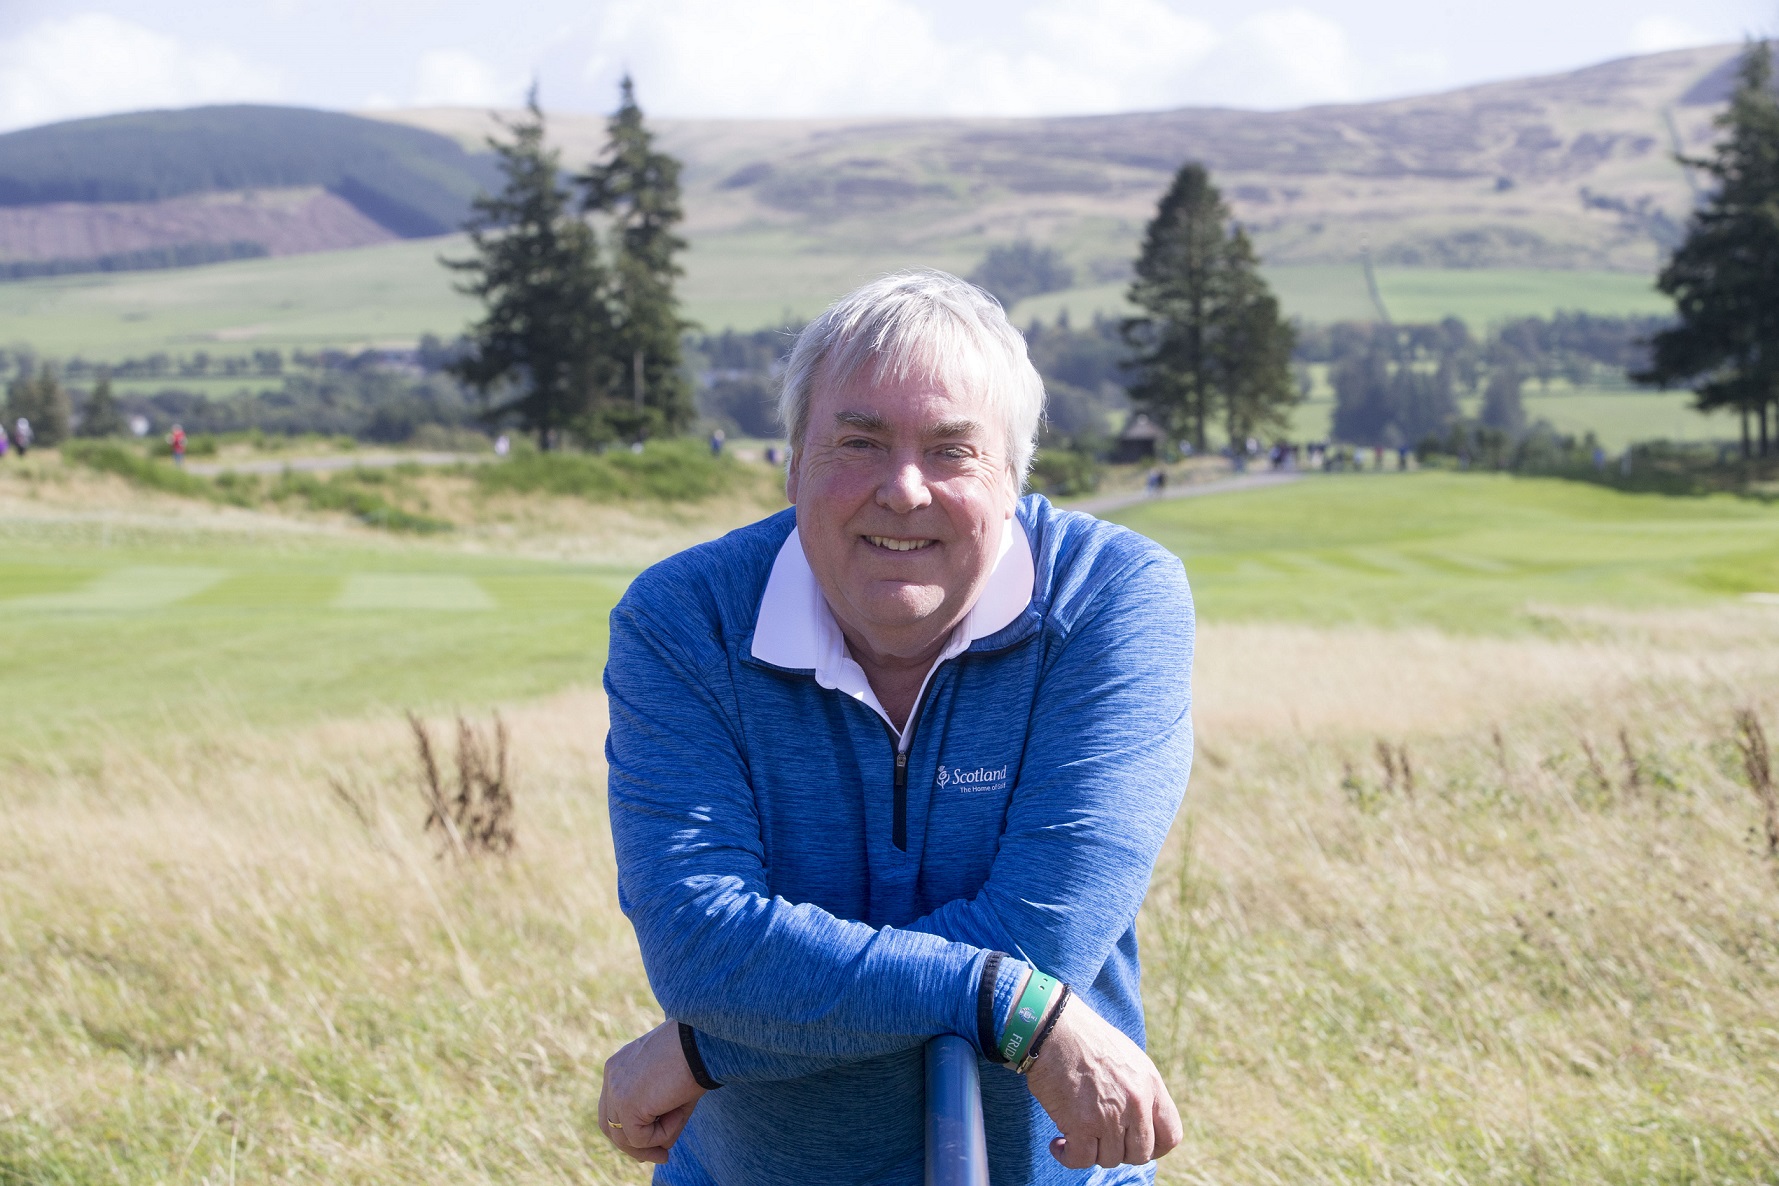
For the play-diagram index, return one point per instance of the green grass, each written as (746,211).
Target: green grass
(228,952)
(125,630)
(1323,293)
(1482,296)
(1619,418)
(744,280)
(132,629)
(668,470)
(1616,416)
(1469,552)
(390,293)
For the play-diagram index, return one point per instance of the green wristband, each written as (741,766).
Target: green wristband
(1027,1014)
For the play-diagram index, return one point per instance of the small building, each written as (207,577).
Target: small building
(1140,441)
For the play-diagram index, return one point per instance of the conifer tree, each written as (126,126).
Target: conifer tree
(101,416)
(1211,337)
(541,352)
(638,188)
(40,399)
(1502,407)
(1724,277)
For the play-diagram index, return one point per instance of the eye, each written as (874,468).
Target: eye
(857,443)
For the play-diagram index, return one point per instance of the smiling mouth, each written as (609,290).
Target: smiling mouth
(899,545)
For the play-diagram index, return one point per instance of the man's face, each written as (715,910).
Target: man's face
(902,490)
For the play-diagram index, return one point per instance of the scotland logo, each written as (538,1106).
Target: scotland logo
(966,781)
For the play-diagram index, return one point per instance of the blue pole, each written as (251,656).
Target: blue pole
(957,1150)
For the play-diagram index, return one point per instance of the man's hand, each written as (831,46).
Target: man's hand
(650,1092)
(1104,1094)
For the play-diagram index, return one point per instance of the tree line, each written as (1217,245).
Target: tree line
(578,340)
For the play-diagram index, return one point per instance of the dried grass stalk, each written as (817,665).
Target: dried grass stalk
(476,817)
(1757,760)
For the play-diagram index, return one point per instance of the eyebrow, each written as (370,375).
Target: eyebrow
(872,422)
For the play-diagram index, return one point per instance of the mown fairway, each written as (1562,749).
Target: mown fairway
(1471,553)
(1470,887)
(121,630)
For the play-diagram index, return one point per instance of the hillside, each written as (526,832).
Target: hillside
(255,180)
(1568,171)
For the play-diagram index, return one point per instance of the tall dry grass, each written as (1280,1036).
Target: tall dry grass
(1537,965)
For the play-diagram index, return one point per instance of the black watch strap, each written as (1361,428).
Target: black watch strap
(688,1042)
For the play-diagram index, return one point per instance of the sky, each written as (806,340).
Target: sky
(813,58)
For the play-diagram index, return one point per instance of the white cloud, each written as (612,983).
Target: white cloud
(456,78)
(93,63)
(1653,34)
(1287,57)
(771,57)
(787,58)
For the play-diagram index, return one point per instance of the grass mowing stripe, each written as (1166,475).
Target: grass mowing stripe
(1469,552)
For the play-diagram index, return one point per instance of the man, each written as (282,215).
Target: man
(881,762)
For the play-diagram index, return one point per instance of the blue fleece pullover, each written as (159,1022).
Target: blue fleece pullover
(815,918)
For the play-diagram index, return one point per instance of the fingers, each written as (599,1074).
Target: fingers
(1169,1130)
(1078,1154)
(1139,1138)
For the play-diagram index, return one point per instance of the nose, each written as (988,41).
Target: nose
(904,487)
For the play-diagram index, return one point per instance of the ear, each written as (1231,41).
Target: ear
(790,476)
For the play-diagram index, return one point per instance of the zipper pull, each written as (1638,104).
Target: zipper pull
(899,804)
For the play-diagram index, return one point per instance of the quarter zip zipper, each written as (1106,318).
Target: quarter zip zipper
(899,829)
(904,745)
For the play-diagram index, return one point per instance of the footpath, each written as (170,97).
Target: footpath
(210,469)
(1105,503)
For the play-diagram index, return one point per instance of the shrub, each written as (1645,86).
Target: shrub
(670,471)
(1062,473)
(364,505)
(130,465)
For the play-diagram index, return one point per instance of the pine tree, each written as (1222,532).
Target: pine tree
(41,400)
(638,188)
(1502,407)
(541,352)
(1725,277)
(1211,337)
(101,417)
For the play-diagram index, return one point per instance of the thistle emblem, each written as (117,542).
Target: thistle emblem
(944,775)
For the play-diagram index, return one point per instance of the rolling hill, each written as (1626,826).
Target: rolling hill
(1567,171)
(1513,198)
(103,194)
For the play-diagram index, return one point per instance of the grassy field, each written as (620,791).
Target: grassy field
(1548,953)
(1616,416)
(394,293)
(1478,296)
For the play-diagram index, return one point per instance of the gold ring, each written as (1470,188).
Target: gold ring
(614,1124)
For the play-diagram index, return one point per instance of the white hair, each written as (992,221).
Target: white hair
(923,324)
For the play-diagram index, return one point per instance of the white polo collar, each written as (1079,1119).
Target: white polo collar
(796,629)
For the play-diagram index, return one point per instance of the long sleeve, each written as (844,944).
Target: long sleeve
(722,954)
(1105,768)
(1108,751)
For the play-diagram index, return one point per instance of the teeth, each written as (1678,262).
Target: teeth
(898,545)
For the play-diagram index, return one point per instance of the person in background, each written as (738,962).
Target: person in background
(176,440)
(22,436)
(716,443)
(891,764)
